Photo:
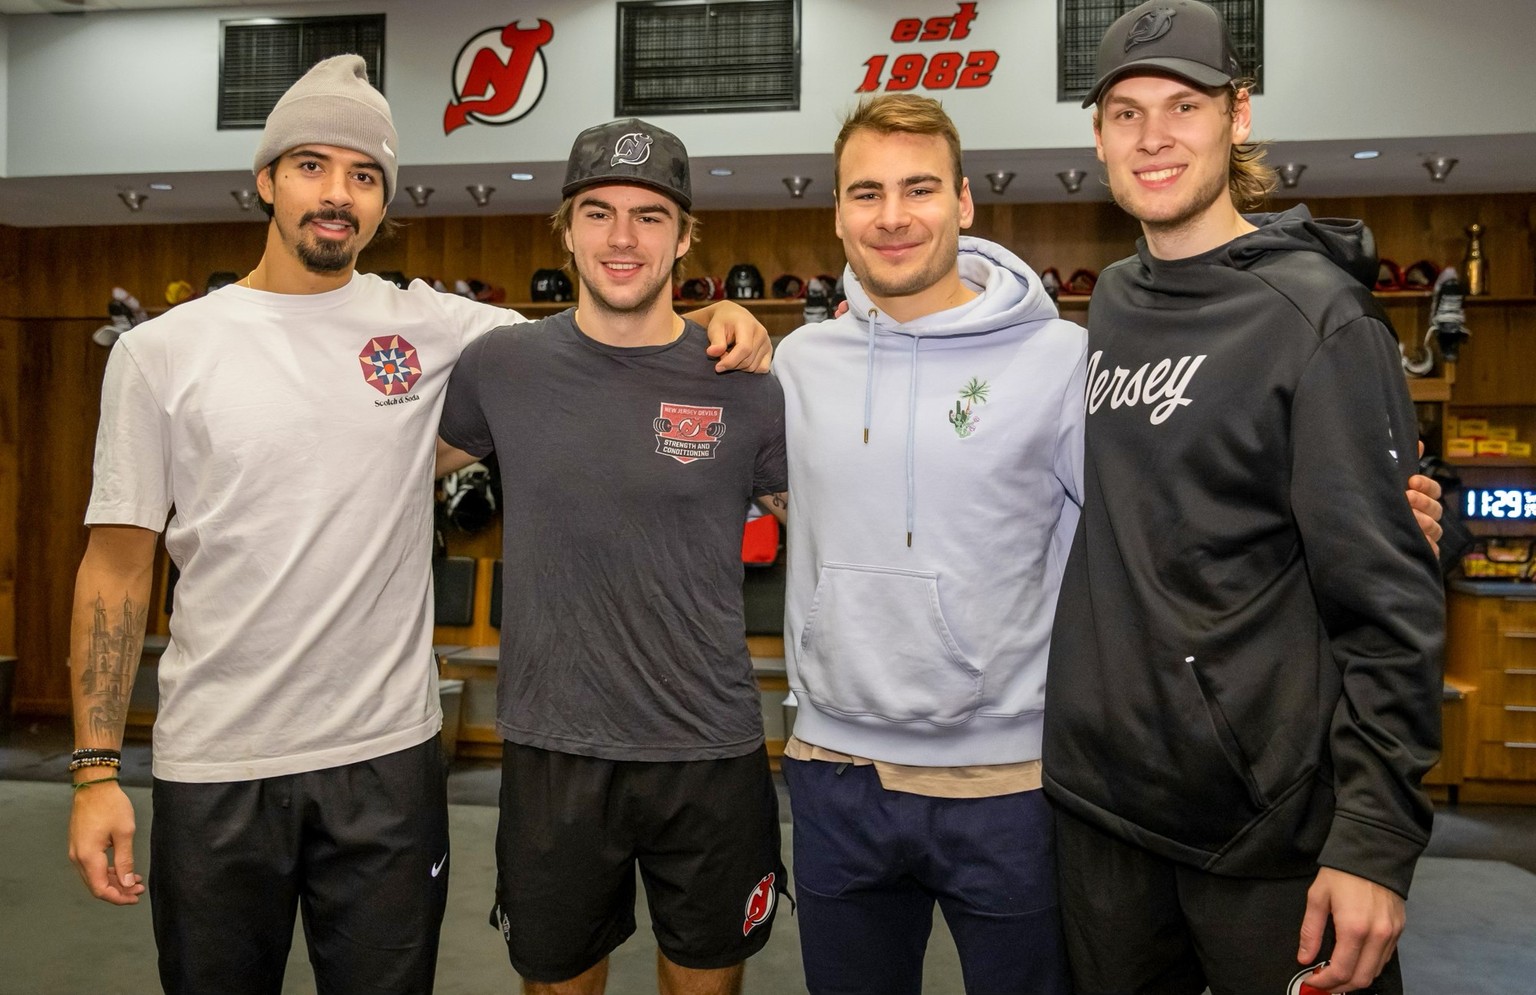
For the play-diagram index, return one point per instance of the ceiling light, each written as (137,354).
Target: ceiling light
(1072,179)
(721,171)
(161,186)
(245,198)
(1367,154)
(419,194)
(521,177)
(481,193)
(1290,174)
(1439,168)
(797,185)
(999,181)
(133,199)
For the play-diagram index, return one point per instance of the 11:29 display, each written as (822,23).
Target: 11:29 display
(1501,503)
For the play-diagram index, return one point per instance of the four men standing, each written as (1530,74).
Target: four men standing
(1227,622)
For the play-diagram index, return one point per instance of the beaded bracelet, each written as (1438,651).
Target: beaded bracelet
(85,762)
(93,751)
(77,785)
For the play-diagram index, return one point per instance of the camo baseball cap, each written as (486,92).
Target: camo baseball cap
(629,151)
(1183,38)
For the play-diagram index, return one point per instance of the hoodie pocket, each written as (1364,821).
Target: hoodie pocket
(1226,740)
(875,643)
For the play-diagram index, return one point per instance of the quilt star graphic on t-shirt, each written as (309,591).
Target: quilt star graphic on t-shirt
(390,365)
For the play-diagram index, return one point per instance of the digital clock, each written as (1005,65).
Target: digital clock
(1512,504)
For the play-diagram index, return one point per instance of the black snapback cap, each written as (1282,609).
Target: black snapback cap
(629,151)
(1183,38)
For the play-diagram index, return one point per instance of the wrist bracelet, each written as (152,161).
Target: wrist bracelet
(92,751)
(77,785)
(85,762)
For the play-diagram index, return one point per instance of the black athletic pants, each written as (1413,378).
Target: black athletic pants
(1139,923)
(362,849)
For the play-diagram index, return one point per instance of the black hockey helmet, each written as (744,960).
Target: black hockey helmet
(550,285)
(743,282)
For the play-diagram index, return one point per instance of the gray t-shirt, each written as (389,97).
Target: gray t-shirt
(626,477)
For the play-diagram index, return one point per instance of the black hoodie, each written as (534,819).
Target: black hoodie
(1245,671)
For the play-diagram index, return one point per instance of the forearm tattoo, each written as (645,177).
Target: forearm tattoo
(106,681)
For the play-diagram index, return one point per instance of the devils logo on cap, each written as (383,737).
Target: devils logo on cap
(632,149)
(1150,26)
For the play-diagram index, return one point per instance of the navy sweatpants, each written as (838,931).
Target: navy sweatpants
(871,863)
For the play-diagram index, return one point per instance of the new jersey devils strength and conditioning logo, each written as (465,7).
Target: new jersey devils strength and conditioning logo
(499,76)
(390,365)
(760,904)
(687,432)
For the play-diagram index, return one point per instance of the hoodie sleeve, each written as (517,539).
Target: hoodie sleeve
(1069,452)
(1378,593)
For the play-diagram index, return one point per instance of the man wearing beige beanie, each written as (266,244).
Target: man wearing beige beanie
(290,421)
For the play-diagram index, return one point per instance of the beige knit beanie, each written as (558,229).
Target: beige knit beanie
(333,104)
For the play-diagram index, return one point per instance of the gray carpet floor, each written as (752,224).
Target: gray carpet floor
(1471,931)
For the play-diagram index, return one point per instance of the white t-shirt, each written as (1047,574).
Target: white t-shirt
(294,436)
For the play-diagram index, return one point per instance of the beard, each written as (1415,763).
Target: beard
(1179,216)
(650,297)
(326,256)
(905,283)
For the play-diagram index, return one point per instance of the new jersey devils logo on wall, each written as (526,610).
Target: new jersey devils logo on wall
(499,76)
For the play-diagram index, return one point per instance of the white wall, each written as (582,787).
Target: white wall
(5,76)
(135,92)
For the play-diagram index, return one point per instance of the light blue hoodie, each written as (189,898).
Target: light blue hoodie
(924,563)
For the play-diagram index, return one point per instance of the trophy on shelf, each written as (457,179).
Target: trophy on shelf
(1475,266)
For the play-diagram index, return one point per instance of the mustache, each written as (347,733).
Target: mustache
(330,214)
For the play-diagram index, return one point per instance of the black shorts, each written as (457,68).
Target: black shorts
(704,833)
(362,848)
(1138,922)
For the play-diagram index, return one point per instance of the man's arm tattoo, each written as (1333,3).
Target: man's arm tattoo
(106,680)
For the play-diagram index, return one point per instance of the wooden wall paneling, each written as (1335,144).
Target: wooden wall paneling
(801,241)
(57,406)
(1067,236)
(10,271)
(1498,361)
(70,272)
(10,355)
(1408,229)
(507,256)
(235,247)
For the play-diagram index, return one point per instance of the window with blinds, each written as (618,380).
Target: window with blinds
(696,56)
(1080,24)
(260,59)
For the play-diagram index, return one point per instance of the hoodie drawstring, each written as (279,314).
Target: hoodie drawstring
(869,374)
(869,395)
(912,442)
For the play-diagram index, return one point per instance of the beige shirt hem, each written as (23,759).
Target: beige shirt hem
(976,781)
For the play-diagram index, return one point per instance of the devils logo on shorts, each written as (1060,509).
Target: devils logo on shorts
(687,432)
(760,904)
(1299,986)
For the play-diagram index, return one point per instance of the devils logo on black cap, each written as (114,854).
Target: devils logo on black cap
(1150,26)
